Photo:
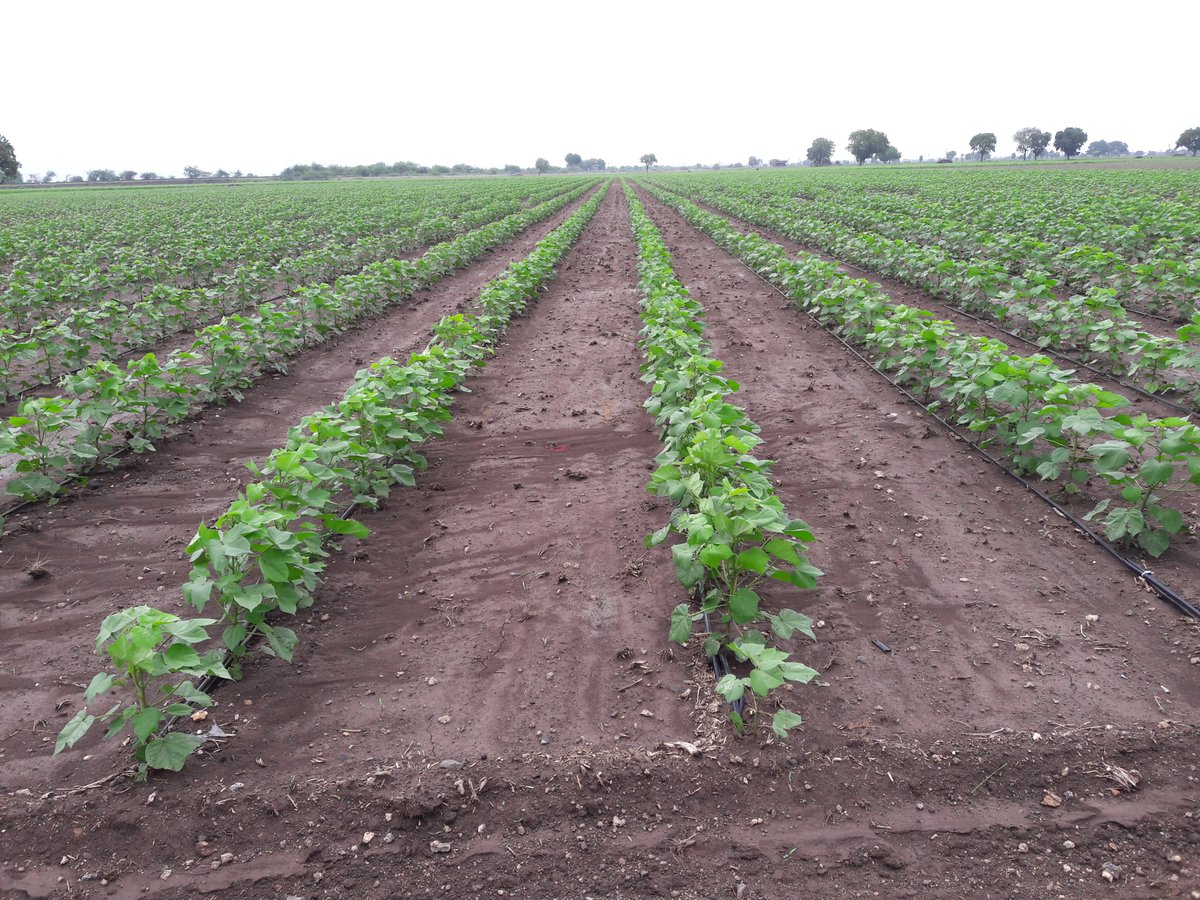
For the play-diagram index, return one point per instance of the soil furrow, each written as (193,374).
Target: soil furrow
(119,541)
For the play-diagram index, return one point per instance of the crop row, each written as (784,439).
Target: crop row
(107,409)
(980,223)
(735,533)
(109,328)
(264,556)
(1047,423)
(81,247)
(1095,325)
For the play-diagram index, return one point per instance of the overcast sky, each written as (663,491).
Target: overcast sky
(258,86)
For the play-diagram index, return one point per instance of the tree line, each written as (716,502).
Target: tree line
(864,144)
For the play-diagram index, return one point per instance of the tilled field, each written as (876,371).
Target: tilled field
(484,701)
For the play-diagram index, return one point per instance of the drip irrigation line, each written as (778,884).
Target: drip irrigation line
(1146,575)
(720,663)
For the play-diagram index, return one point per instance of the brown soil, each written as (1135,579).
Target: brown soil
(489,668)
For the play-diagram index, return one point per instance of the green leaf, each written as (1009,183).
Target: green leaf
(1171,519)
(681,624)
(191,631)
(754,559)
(100,683)
(712,555)
(145,722)
(1154,542)
(73,730)
(653,540)
(274,565)
(181,656)
(171,751)
(794,671)
(794,621)
(743,606)
(197,592)
(784,721)
(192,694)
(687,568)
(783,549)
(345,526)
(764,682)
(731,688)
(1155,472)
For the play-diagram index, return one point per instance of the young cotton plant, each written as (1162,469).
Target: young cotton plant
(155,660)
(737,533)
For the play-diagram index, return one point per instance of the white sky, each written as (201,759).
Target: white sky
(258,86)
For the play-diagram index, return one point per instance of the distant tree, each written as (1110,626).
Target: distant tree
(890,154)
(592,165)
(648,159)
(755,161)
(9,167)
(1031,140)
(237,173)
(573,160)
(510,169)
(1108,148)
(950,154)
(462,169)
(1040,141)
(148,176)
(75,179)
(777,163)
(1189,140)
(128,175)
(220,173)
(101,175)
(49,177)
(867,142)
(439,170)
(984,144)
(1070,141)
(921,158)
(542,166)
(821,152)
(195,172)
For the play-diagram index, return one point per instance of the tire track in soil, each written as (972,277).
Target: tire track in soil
(926,547)
(506,590)
(119,541)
